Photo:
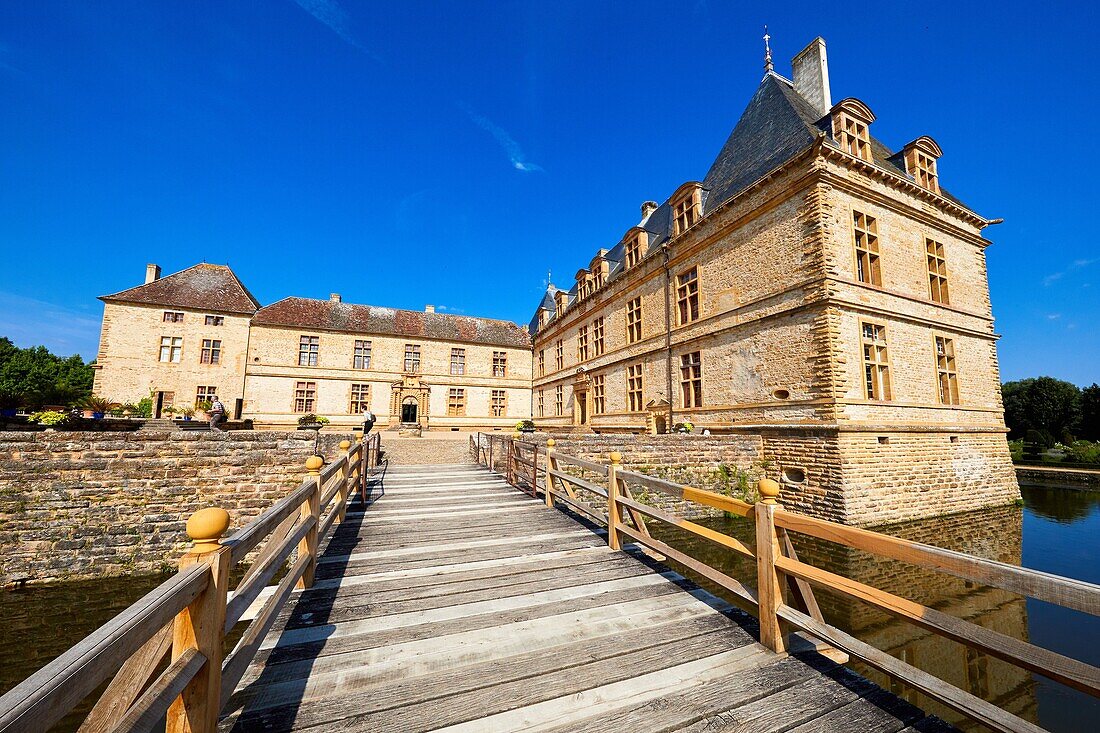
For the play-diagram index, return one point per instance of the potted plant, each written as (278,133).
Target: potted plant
(684,427)
(168,410)
(312,422)
(9,404)
(526,426)
(202,409)
(97,407)
(187,412)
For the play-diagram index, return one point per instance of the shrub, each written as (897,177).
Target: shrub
(53,418)
(1083,451)
(525,425)
(683,427)
(312,419)
(204,405)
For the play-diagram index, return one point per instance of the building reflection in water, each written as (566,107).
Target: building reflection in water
(996,534)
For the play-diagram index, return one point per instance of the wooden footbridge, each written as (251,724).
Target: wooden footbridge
(444,599)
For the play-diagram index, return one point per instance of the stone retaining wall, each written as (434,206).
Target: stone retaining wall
(1082,479)
(84,505)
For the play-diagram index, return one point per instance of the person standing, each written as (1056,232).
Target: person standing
(217,415)
(368,420)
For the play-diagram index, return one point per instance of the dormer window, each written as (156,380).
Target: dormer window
(851,127)
(560,299)
(687,207)
(632,251)
(920,162)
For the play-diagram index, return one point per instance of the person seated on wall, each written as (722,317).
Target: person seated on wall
(217,416)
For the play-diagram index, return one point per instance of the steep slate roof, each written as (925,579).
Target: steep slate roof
(201,287)
(330,315)
(777,125)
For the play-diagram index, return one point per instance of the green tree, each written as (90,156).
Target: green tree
(33,377)
(1090,412)
(1049,406)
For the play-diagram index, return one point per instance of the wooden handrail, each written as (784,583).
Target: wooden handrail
(49,694)
(191,612)
(778,567)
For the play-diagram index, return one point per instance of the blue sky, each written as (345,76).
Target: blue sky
(454,153)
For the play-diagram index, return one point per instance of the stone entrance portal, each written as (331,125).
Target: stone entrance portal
(409,402)
(657,417)
(581,385)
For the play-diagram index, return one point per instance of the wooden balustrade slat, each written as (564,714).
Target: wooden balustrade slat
(1071,672)
(148,710)
(689,493)
(581,506)
(333,491)
(250,588)
(126,685)
(331,469)
(718,538)
(237,662)
(50,693)
(973,707)
(270,547)
(1075,594)
(524,461)
(579,482)
(800,589)
(584,463)
(734,586)
(326,524)
(246,538)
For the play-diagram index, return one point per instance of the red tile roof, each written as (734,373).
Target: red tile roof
(329,315)
(202,287)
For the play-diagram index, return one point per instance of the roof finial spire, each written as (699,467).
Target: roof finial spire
(767,51)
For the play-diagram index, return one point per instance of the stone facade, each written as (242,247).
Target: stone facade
(78,505)
(469,373)
(780,323)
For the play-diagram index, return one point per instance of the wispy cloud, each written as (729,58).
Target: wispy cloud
(1053,316)
(449,309)
(511,147)
(64,331)
(1074,267)
(335,17)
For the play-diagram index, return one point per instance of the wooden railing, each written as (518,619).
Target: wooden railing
(186,618)
(782,596)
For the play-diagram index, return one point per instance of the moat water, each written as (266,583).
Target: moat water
(1057,531)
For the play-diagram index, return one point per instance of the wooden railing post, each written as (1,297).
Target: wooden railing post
(551,465)
(769,588)
(345,477)
(490,453)
(311,507)
(200,626)
(614,519)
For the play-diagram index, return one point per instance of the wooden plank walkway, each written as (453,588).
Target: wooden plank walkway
(456,603)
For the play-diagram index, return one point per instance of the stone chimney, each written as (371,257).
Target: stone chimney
(429,309)
(335,297)
(152,272)
(648,208)
(810,69)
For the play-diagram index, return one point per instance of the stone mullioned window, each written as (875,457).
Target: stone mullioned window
(634,387)
(171,349)
(946,372)
(582,343)
(215,320)
(542,403)
(361,355)
(360,399)
(686,211)
(500,363)
(559,354)
(876,362)
(456,402)
(597,337)
(691,379)
(412,358)
(937,272)
(687,296)
(634,320)
(207,393)
(868,255)
(211,351)
(559,401)
(498,404)
(305,396)
(599,402)
(309,348)
(172,317)
(458,361)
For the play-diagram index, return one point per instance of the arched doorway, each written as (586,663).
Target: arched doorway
(409,409)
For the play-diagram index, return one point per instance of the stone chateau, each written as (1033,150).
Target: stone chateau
(817,297)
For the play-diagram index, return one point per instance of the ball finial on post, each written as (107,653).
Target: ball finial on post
(550,443)
(769,490)
(358,436)
(206,527)
(345,445)
(314,463)
(616,457)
